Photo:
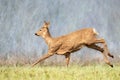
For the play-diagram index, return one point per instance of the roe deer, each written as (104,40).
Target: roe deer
(67,44)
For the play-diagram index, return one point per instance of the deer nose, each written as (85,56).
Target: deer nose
(35,33)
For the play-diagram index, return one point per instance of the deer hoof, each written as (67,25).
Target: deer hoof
(112,56)
(111,65)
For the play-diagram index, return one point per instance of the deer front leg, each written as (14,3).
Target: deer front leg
(67,56)
(42,58)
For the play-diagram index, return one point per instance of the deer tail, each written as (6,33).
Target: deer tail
(96,33)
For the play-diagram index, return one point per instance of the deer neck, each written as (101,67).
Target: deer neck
(48,38)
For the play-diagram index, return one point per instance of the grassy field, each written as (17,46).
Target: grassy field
(73,72)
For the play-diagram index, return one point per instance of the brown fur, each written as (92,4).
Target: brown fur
(67,44)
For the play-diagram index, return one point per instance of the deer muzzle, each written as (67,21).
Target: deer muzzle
(36,34)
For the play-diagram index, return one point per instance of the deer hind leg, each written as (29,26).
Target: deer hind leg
(42,58)
(105,52)
(105,46)
(110,55)
(93,46)
(67,56)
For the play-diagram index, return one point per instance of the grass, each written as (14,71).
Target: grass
(73,72)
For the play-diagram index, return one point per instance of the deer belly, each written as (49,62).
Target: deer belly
(69,49)
(64,49)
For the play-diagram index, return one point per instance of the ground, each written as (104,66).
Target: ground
(73,72)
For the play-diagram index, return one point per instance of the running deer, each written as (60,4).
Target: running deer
(67,44)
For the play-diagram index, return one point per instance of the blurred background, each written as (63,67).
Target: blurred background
(20,19)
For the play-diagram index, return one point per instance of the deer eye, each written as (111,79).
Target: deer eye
(40,30)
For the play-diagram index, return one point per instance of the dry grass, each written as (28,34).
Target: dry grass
(73,72)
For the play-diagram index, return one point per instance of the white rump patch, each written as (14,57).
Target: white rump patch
(95,31)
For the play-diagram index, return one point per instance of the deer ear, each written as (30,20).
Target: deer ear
(47,24)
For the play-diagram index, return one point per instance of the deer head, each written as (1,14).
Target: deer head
(44,30)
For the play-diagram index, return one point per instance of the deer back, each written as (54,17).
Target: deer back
(73,41)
